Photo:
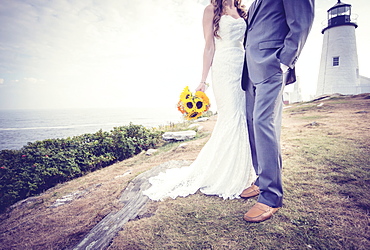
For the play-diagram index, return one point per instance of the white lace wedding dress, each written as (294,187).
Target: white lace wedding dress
(224,166)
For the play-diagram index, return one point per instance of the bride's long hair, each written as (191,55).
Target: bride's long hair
(220,10)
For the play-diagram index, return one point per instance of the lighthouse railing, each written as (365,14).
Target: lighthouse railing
(351,20)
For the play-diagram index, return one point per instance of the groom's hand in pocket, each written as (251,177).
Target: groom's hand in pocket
(284,68)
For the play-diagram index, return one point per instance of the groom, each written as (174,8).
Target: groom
(276,33)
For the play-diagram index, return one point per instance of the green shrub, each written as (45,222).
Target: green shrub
(43,164)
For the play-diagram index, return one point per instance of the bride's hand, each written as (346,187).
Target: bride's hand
(202,87)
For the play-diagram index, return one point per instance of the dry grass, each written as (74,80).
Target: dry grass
(326,182)
(35,224)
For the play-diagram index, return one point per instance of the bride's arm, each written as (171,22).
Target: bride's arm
(209,48)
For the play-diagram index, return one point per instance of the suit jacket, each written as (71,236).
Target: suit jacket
(276,32)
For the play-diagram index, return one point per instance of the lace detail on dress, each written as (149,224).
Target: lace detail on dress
(224,165)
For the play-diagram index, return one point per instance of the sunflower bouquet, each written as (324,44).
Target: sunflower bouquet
(193,105)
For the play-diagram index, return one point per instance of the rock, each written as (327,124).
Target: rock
(203,119)
(151,151)
(133,207)
(179,136)
(27,202)
(73,196)
(68,198)
(312,124)
(183,145)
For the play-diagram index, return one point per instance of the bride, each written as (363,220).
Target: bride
(224,166)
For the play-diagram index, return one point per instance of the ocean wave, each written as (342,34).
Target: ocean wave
(64,127)
(18,127)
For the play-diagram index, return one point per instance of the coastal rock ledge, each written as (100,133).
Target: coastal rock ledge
(133,205)
(179,136)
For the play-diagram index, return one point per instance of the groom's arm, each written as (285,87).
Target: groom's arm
(299,18)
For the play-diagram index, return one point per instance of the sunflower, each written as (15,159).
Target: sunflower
(189,105)
(192,106)
(193,115)
(203,96)
(199,105)
(201,101)
(186,94)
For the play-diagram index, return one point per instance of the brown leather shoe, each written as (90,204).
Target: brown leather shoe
(260,212)
(252,191)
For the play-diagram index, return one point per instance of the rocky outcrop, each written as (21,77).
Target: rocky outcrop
(133,207)
(179,136)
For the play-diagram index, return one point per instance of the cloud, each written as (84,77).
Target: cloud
(1,81)
(32,80)
(63,38)
(102,50)
(109,53)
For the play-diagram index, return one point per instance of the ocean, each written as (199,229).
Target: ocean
(18,127)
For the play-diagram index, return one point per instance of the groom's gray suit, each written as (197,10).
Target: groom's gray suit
(276,33)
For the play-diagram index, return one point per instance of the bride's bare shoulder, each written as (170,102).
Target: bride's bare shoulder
(209,10)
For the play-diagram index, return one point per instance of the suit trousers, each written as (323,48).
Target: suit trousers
(264,115)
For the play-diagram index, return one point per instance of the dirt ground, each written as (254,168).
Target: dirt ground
(36,223)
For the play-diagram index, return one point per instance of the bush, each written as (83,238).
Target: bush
(43,164)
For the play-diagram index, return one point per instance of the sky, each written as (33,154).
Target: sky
(123,53)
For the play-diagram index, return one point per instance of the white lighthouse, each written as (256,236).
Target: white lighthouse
(339,72)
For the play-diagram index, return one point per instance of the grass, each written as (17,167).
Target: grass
(313,117)
(326,203)
(181,126)
(323,208)
(302,108)
(327,200)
